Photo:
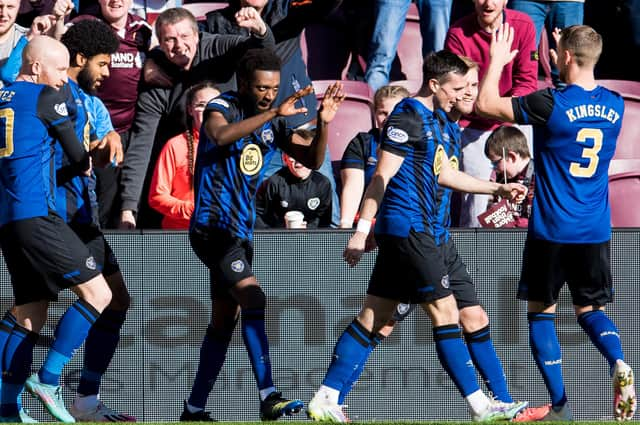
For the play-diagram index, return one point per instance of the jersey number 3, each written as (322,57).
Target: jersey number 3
(6,139)
(591,154)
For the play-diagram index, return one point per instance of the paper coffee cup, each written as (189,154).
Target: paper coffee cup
(294,220)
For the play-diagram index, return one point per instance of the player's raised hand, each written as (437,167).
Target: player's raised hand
(501,42)
(288,106)
(355,248)
(333,98)
(512,191)
(553,54)
(248,17)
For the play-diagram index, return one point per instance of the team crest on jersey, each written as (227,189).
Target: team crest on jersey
(90,263)
(397,135)
(237,266)
(445,281)
(251,160)
(267,136)
(220,102)
(437,160)
(61,109)
(454,163)
(313,203)
(284,204)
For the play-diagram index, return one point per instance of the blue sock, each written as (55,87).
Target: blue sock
(486,360)
(255,340)
(603,334)
(71,332)
(99,349)
(455,359)
(346,387)
(545,348)
(6,327)
(350,351)
(212,355)
(16,364)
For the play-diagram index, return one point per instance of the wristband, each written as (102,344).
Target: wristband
(364,226)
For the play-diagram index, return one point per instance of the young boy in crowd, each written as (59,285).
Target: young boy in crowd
(508,151)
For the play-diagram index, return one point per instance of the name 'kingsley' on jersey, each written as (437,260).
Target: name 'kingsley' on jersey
(591,110)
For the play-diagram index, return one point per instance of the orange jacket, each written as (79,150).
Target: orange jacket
(171,193)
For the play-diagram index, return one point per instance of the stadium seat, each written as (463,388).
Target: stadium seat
(200,10)
(628,141)
(412,85)
(624,199)
(410,46)
(355,115)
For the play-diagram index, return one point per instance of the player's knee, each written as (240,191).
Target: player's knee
(473,318)
(253,298)
(120,298)
(96,292)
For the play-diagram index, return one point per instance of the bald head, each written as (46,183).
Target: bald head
(45,61)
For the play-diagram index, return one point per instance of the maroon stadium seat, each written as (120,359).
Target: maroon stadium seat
(624,198)
(200,10)
(629,139)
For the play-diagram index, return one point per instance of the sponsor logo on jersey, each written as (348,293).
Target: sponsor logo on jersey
(90,263)
(372,160)
(61,109)
(397,135)
(251,160)
(237,266)
(313,203)
(267,136)
(220,102)
(445,281)
(284,204)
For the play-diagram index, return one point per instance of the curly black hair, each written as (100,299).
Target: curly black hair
(89,37)
(257,60)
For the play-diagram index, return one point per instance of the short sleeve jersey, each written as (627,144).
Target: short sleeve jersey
(27,174)
(361,153)
(227,177)
(573,148)
(412,131)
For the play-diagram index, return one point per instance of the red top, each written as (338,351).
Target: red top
(171,192)
(519,77)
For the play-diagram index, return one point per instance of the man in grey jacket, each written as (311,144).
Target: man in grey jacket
(186,57)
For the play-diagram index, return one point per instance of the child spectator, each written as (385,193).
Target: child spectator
(294,188)
(508,151)
(360,157)
(171,191)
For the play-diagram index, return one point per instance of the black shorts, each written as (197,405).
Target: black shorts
(416,270)
(227,257)
(585,268)
(94,239)
(44,256)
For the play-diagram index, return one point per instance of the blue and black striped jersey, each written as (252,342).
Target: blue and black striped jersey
(31,117)
(451,145)
(227,177)
(413,132)
(573,144)
(76,199)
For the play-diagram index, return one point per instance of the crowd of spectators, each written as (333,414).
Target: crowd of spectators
(170,63)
